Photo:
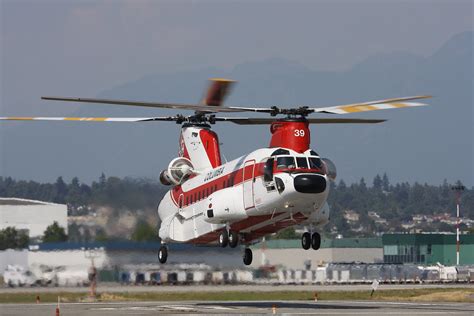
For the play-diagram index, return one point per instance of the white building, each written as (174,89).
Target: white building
(31,215)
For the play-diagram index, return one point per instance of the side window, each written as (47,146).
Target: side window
(187,200)
(199,196)
(268,170)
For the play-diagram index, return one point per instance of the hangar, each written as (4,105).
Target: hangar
(33,216)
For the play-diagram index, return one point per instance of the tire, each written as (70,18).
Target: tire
(224,238)
(316,241)
(163,254)
(233,239)
(306,241)
(248,256)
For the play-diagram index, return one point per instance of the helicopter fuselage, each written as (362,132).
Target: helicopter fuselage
(255,195)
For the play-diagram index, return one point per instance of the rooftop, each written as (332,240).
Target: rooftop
(18,201)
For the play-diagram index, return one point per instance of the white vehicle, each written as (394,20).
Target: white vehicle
(15,275)
(250,197)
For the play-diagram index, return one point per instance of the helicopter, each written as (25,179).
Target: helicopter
(260,193)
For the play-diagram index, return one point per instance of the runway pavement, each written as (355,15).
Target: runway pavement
(241,307)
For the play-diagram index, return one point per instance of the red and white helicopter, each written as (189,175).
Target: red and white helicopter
(257,194)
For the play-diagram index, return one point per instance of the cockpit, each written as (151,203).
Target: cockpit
(284,161)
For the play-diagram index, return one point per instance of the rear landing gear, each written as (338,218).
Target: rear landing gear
(228,237)
(248,256)
(233,239)
(223,238)
(163,254)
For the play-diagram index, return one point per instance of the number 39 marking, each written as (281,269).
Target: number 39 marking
(299,132)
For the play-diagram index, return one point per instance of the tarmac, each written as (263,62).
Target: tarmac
(241,307)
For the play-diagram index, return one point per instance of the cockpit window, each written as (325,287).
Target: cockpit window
(302,162)
(268,170)
(280,152)
(315,163)
(286,163)
(313,153)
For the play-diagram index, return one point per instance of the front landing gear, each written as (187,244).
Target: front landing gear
(248,256)
(311,241)
(306,240)
(316,241)
(163,254)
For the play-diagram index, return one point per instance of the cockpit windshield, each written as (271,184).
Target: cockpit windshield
(302,162)
(315,163)
(286,162)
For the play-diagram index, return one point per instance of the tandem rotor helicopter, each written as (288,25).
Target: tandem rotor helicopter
(257,194)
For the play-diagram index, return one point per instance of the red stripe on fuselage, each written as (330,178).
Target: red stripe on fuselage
(252,221)
(229,180)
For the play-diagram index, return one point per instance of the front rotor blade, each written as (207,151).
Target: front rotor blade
(89,119)
(263,121)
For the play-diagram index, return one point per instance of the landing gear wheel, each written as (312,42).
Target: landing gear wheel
(163,254)
(316,241)
(233,239)
(306,241)
(248,256)
(224,238)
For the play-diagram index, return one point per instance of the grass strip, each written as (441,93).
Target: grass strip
(427,295)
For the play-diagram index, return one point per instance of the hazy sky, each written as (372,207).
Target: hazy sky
(81,48)
(84,47)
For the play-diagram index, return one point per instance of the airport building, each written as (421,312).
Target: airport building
(289,254)
(427,249)
(30,215)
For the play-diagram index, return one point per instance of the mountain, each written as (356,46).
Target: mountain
(426,144)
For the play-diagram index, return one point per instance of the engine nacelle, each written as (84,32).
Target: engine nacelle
(330,167)
(224,206)
(179,170)
(165,178)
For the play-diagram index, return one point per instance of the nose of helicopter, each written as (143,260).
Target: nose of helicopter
(310,183)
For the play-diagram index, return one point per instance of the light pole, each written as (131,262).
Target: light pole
(458,190)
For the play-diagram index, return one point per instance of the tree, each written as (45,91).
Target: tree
(287,233)
(385,183)
(378,183)
(11,238)
(144,232)
(54,233)
(100,235)
(61,191)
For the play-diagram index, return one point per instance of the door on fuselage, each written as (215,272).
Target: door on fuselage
(248,177)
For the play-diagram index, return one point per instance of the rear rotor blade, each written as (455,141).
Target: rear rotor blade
(195,107)
(372,105)
(263,121)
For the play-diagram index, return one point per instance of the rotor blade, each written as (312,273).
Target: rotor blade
(195,107)
(89,119)
(344,108)
(265,120)
(217,91)
(372,105)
